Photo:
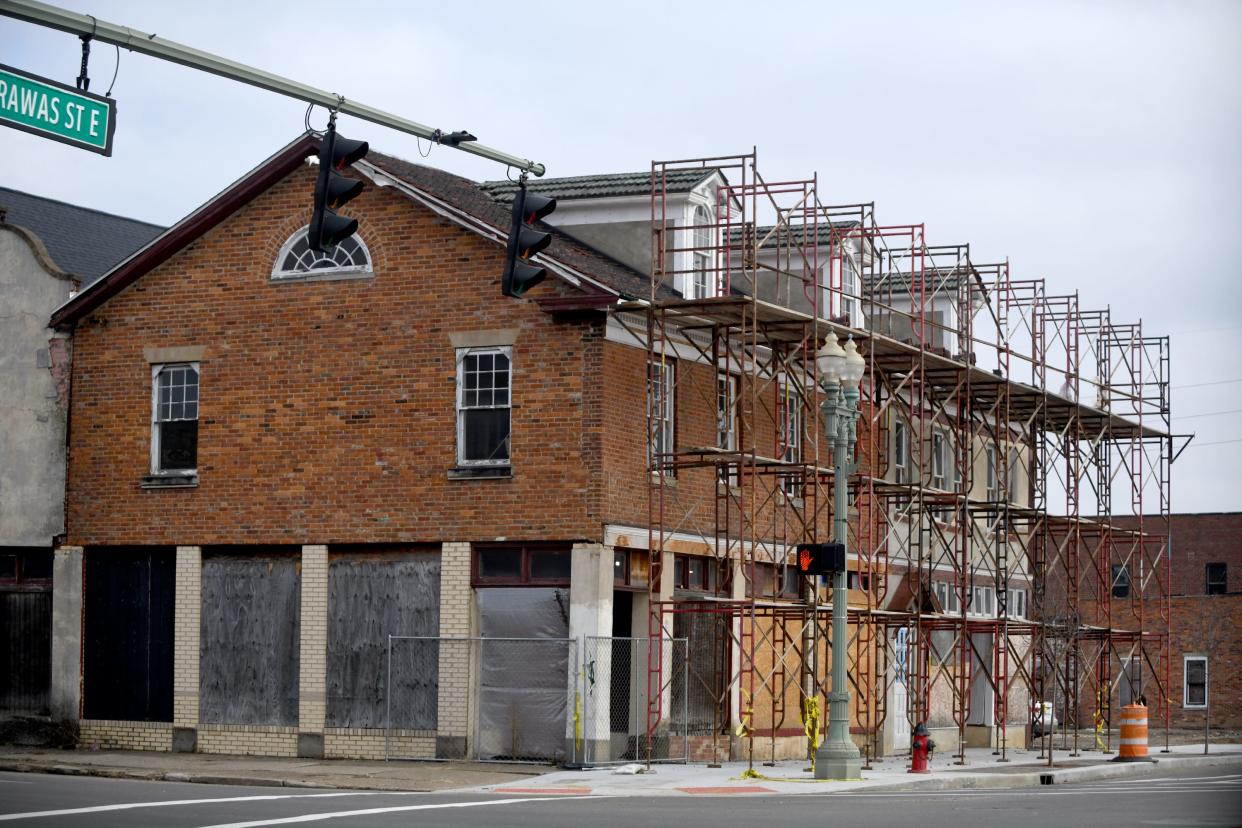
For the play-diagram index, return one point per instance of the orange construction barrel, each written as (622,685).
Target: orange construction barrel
(1133,734)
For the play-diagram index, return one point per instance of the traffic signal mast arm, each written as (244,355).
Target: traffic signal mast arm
(148,44)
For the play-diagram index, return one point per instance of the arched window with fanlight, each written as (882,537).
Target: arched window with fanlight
(297,260)
(701,283)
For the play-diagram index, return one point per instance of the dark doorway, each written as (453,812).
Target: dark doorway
(623,653)
(128,659)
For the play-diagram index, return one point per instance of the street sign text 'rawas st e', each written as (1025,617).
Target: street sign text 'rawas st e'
(54,110)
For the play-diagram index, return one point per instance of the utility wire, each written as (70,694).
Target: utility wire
(1205,384)
(1215,443)
(1208,414)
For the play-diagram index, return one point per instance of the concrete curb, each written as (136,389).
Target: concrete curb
(944,781)
(165,776)
(1056,776)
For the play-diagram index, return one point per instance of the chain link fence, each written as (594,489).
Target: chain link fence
(619,691)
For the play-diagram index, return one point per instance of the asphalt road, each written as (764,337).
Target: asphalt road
(1211,796)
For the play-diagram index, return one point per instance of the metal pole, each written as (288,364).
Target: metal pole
(53,17)
(838,757)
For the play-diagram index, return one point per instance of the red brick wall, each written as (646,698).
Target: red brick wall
(1198,622)
(690,496)
(327,408)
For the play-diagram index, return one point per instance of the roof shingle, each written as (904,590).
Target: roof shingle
(86,243)
(610,185)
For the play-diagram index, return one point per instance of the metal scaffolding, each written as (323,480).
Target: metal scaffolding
(1002,430)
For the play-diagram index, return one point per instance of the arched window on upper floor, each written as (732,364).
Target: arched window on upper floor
(298,261)
(702,281)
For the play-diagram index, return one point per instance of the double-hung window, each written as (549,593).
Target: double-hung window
(992,493)
(660,415)
(701,277)
(1195,682)
(939,450)
(484,404)
(1011,478)
(901,451)
(174,420)
(1121,581)
(791,437)
(1217,575)
(849,289)
(726,422)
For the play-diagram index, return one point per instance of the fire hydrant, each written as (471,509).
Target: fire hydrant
(921,750)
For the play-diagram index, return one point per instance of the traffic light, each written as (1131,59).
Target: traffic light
(820,558)
(525,241)
(332,190)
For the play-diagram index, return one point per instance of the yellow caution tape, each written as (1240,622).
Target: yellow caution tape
(577,721)
(810,720)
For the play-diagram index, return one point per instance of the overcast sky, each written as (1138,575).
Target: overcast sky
(1096,145)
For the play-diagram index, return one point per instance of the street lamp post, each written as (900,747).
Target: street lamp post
(840,371)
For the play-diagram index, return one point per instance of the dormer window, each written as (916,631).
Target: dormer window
(298,261)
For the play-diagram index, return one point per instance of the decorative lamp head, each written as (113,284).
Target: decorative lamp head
(830,359)
(854,365)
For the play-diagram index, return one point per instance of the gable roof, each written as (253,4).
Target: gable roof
(612,278)
(473,199)
(610,185)
(175,238)
(795,234)
(83,242)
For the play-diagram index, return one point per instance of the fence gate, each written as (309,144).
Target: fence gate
(502,699)
(613,693)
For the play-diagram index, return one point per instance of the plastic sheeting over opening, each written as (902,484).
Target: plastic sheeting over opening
(525,685)
(369,598)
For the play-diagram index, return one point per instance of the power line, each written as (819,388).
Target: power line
(1205,384)
(1214,443)
(1208,414)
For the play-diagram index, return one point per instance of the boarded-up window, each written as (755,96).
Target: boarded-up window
(128,629)
(371,597)
(708,671)
(250,625)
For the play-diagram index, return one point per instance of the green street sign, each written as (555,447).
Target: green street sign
(44,107)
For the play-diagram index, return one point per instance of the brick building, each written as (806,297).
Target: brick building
(363,505)
(278,459)
(1206,618)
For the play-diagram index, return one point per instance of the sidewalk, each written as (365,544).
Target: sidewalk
(1025,768)
(789,777)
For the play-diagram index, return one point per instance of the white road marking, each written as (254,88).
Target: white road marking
(14,782)
(258,823)
(125,806)
(1064,789)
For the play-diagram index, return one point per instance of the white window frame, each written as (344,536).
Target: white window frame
(991,491)
(901,451)
(726,421)
(1011,478)
(699,281)
(850,298)
(791,436)
(1186,659)
(462,353)
(327,273)
(156,370)
(939,449)
(663,421)
(1016,607)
